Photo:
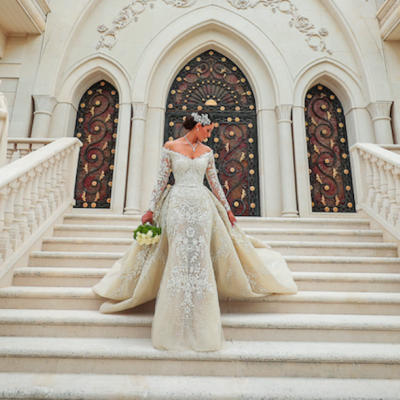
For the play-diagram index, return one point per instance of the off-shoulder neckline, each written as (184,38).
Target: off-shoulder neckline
(184,155)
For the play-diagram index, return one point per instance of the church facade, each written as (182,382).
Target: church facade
(291,86)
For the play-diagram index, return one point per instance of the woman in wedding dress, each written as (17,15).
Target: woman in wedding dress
(202,253)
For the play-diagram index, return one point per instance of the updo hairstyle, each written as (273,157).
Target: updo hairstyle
(190,123)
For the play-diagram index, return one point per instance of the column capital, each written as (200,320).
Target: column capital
(139,111)
(44,104)
(380,110)
(284,113)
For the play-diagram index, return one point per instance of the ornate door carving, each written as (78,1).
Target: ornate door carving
(328,152)
(213,83)
(96,127)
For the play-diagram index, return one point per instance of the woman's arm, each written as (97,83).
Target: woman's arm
(216,188)
(159,187)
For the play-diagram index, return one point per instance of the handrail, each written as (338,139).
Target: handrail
(24,146)
(377,173)
(32,190)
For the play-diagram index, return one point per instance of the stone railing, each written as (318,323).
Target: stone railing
(20,147)
(389,20)
(33,192)
(377,177)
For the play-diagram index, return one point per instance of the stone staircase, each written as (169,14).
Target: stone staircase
(338,338)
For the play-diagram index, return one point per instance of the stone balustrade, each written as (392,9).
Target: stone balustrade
(20,147)
(377,173)
(32,190)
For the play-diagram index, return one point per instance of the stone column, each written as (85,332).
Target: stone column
(4,123)
(380,113)
(44,106)
(286,159)
(134,186)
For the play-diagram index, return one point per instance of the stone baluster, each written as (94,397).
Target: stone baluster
(44,107)
(134,186)
(65,174)
(10,153)
(36,206)
(27,202)
(51,183)
(59,189)
(42,201)
(20,217)
(393,211)
(396,174)
(5,245)
(377,185)
(15,237)
(384,189)
(289,203)
(380,113)
(370,179)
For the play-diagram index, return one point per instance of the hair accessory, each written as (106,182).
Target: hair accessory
(203,119)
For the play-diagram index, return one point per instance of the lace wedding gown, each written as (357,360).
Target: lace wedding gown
(199,256)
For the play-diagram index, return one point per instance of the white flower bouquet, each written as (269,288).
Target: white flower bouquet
(147,234)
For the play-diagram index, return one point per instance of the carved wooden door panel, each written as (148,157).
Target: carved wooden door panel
(213,83)
(328,152)
(96,127)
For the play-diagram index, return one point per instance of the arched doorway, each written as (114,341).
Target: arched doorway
(213,83)
(96,127)
(328,152)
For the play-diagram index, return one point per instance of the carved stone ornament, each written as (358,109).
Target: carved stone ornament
(108,38)
(314,38)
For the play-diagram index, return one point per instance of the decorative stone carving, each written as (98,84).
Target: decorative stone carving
(315,39)
(380,110)
(109,38)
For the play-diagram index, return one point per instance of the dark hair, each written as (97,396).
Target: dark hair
(190,123)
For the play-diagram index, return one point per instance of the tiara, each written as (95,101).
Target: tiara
(203,119)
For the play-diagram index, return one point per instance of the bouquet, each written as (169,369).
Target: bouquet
(147,234)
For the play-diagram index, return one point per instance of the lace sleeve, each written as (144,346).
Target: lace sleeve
(215,185)
(162,179)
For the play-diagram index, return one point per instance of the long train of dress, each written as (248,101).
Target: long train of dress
(199,256)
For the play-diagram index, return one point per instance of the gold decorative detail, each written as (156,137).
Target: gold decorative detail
(79,135)
(171,124)
(344,155)
(335,172)
(236,204)
(306,123)
(343,140)
(311,187)
(243,194)
(80,120)
(216,140)
(242,157)
(337,201)
(348,188)
(250,125)
(227,147)
(251,140)
(111,167)
(105,146)
(346,171)
(113,151)
(232,170)
(319,179)
(113,92)
(231,133)
(92,111)
(97,103)
(322,95)
(102,175)
(308,139)
(350,205)
(94,183)
(308,155)
(248,93)
(327,160)
(99,91)
(97,196)
(237,108)
(184,107)
(83,105)
(320,87)
(170,138)
(252,188)
(116,121)
(89,92)
(339,110)
(179,79)
(85,205)
(93,205)
(199,108)
(251,155)
(327,209)
(326,187)
(316,149)
(170,105)
(324,131)
(117,106)
(226,185)
(335,209)
(332,97)
(216,155)
(313,121)
(108,118)
(252,205)
(309,96)
(329,115)
(109,183)
(332,144)
(211,102)
(108,200)
(222,108)
(237,119)
(211,53)
(341,125)
(312,204)
(86,168)
(84,196)
(216,124)
(102,83)
(229,119)
(89,139)
(94,156)
(323,107)
(187,68)
(323,201)
(252,172)
(96,128)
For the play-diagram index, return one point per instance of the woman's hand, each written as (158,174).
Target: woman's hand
(147,217)
(232,218)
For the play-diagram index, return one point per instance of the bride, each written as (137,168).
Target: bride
(202,252)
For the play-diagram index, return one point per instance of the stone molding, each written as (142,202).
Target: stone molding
(139,111)
(380,110)
(44,104)
(109,38)
(284,113)
(314,38)
(389,20)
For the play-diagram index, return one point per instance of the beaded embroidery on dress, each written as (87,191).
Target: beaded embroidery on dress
(199,257)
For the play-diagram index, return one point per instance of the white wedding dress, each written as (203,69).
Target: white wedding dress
(199,256)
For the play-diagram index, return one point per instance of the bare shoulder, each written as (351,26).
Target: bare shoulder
(206,148)
(172,144)
(168,145)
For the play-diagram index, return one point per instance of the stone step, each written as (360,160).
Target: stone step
(247,327)
(237,358)
(117,387)
(331,235)
(308,302)
(296,263)
(322,281)
(105,245)
(336,222)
